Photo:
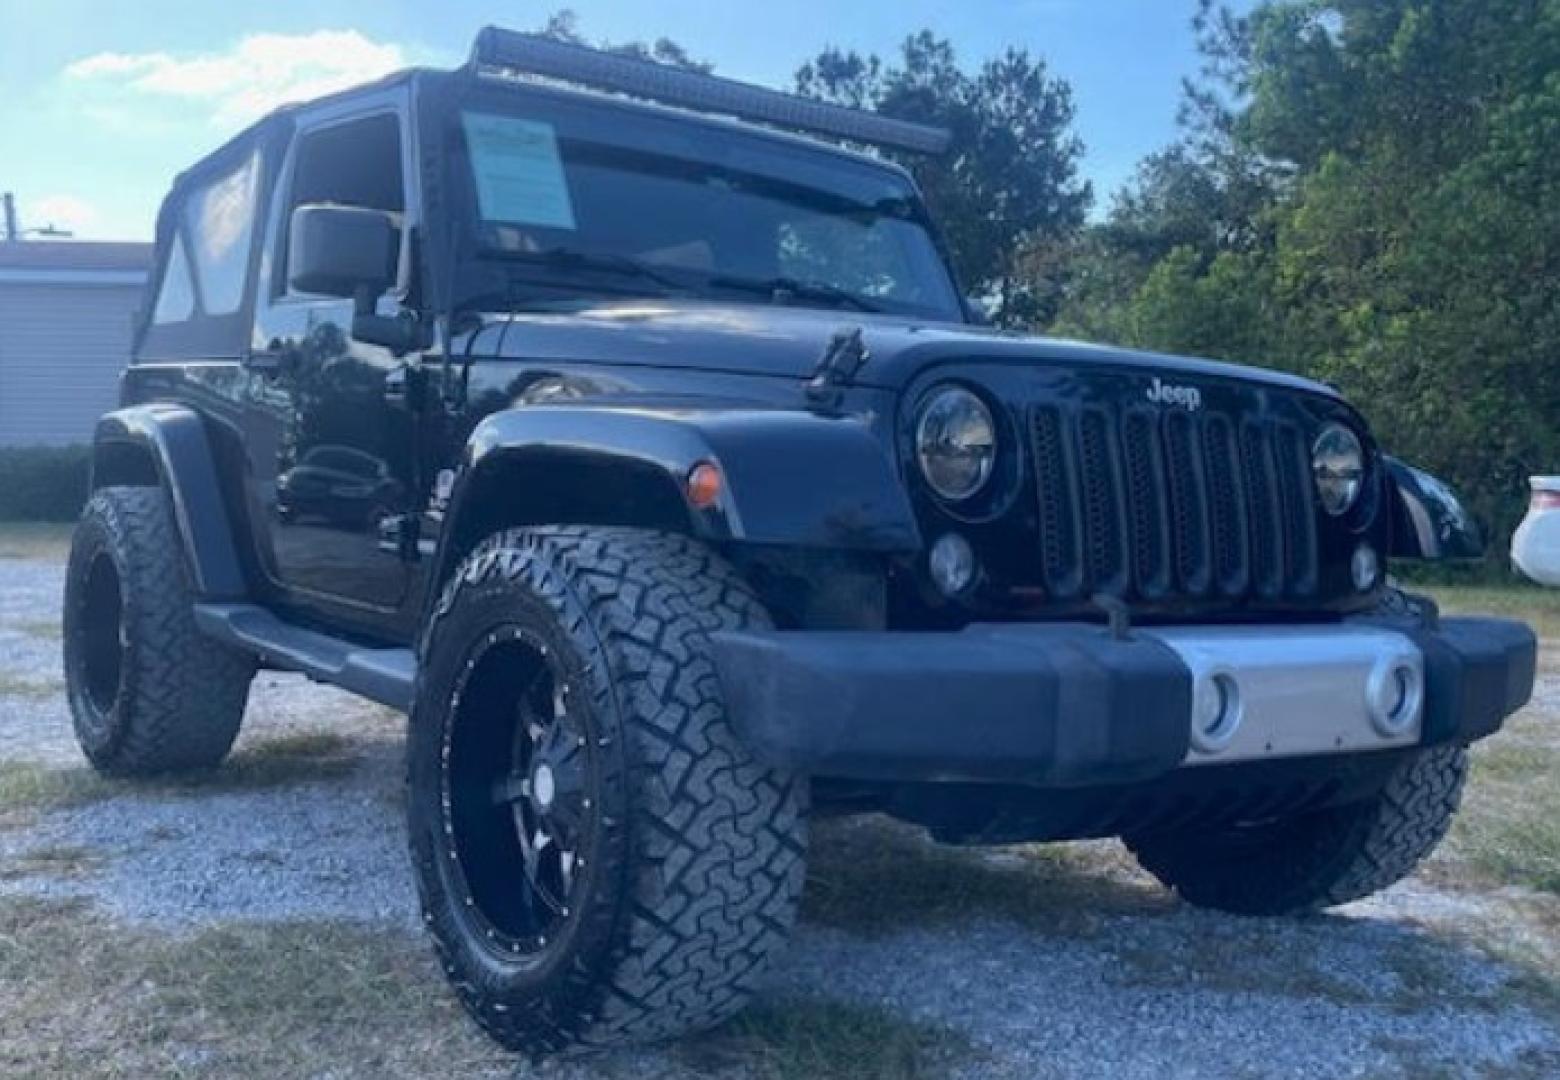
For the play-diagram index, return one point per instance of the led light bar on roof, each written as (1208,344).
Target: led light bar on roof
(532,55)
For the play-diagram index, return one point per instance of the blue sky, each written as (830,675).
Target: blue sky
(102,101)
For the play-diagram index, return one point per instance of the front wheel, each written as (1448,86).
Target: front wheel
(599,859)
(1316,860)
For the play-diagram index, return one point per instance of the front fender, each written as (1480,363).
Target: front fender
(791,477)
(1428,520)
(166,444)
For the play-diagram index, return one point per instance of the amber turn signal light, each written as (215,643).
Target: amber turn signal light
(704,484)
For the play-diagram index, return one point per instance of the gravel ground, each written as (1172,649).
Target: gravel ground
(1385,988)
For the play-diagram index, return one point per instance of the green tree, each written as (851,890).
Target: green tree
(1008,191)
(1366,192)
(564,25)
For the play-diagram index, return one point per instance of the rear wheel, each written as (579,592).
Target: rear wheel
(599,859)
(1315,860)
(149,693)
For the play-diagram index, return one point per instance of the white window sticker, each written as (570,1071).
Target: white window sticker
(518,171)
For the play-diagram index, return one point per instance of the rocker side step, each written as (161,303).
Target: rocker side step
(382,675)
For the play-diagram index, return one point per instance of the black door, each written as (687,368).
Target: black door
(332,456)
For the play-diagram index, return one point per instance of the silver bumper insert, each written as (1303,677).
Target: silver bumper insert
(1271,692)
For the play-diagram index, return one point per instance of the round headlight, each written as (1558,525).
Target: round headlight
(956,443)
(1338,462)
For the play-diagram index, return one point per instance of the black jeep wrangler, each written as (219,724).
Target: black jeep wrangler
(648,457)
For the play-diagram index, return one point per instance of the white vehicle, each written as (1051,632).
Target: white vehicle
(1536,546)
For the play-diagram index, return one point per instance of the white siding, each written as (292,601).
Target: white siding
(62,347)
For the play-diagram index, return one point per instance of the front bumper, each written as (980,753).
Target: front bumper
(1071,705)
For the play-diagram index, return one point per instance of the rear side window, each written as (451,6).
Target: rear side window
(202,293)
(219,221)
(176,298)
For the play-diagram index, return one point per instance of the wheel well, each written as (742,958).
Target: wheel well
(116,463)
(546,488)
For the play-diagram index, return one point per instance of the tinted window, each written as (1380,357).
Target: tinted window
(717,212)
(220,220)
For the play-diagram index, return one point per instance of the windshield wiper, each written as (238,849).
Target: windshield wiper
(570,259)
(781,288)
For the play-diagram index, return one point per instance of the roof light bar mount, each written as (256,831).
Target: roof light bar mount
(531,54)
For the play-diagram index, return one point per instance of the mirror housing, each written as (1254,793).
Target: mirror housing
(344,251)
(352,252)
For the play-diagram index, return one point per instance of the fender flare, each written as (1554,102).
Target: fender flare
(1428,520)
(173,438)
(790,477)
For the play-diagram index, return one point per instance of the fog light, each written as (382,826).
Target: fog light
(1365,567)
(1393,697)
(953,564)
(1216,713)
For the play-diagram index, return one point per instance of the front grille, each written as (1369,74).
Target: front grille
(1157,504)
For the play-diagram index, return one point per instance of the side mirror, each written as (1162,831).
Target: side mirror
(351,252)
(344,251)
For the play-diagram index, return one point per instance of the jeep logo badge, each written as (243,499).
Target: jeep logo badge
(1187,397)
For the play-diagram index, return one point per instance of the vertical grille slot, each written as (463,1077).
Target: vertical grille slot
(1056,475)
(1145,471)
(1266,511)
(1188,503)
(1105,520)
(1294,484)
(1227,500)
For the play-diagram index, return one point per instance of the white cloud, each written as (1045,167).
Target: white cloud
(60,211)
(253,77)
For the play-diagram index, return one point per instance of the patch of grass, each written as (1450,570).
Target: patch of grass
(34,689)
(1508,829)
(820,1039)
(25,786)
(47,629)
(286,760)
(1538,607)
(83,997)
(29,787)
(50,861)
(35,541)
(874,876)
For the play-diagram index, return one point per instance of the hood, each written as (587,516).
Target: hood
(787,342)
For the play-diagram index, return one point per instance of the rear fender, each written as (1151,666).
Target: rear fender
(166,445)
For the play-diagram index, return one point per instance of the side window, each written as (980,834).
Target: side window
(356,163)
(176,296)
(219,220)
(208,257)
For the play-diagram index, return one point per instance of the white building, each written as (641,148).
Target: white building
(66,310)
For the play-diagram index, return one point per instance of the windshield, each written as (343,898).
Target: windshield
(577,196)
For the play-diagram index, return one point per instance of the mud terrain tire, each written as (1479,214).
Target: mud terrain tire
(1317,860)
(149,693)
(680,874)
